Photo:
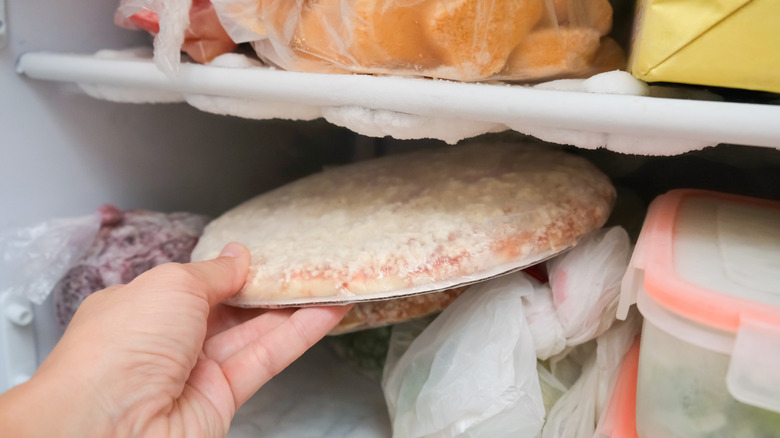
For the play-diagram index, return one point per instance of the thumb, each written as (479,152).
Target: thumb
(225,275)
(215,280)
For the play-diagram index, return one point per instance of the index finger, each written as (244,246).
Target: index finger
(258,361)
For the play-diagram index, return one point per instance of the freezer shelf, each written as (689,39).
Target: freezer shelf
(624,123)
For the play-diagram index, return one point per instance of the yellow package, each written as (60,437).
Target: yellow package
(725,43)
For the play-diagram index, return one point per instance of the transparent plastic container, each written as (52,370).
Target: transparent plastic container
(705,275)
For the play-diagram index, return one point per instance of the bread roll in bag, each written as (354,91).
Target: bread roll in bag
(465,40)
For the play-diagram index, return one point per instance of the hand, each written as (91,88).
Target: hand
(161,357)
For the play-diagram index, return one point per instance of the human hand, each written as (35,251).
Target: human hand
(161,357)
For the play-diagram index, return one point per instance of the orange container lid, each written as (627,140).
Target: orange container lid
(711,257)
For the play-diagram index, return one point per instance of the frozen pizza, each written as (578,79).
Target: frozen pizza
(411,223)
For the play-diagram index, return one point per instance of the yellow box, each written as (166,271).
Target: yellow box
(724,43)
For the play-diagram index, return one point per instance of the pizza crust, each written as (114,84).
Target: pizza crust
(412,223)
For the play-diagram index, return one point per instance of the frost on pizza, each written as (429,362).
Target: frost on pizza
(411,223)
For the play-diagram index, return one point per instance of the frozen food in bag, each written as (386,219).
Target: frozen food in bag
(411,223)
(192,27)
(127,244)
(70,258)
(466,40)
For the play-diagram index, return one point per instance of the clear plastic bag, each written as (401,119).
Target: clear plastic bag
(585,283)
(552,387)
(543,322)
(464,40)
(577,412)
(38,256)
(575,380)
(317,396)
(71,258)
(127,244)
(472,371)
(581,300)
(173,19)
(191,26)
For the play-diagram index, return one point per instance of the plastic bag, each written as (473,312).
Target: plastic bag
(472,371)
(576,413)
(585,283)
(465,40)
(552,387)
(581,300)
(543,322)
(74,257)
(191,26)
(127,244)
(401,337)
(317,396)
(37,256)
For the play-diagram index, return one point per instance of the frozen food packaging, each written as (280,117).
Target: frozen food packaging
(196,30)
(411,223)
(730,43)
(70,258)
(464,40)
(127,244)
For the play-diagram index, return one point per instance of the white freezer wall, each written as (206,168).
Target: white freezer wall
(64,153)
(69,152)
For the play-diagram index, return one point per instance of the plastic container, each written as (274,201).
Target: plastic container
(705,275)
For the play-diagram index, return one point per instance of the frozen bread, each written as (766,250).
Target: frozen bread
(550,53)
(476,36)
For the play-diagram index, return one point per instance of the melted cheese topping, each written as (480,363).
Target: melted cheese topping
(411,223)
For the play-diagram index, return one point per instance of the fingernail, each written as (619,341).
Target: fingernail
(232,249)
